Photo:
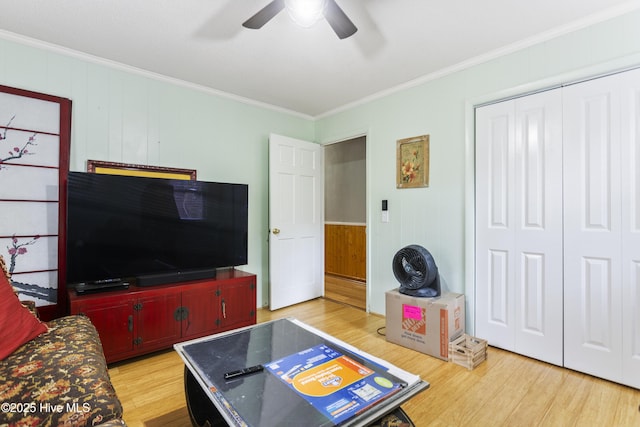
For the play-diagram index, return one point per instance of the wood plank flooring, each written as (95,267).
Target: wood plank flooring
(347,291)
(505,390)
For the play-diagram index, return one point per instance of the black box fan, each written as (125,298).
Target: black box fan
(415,269)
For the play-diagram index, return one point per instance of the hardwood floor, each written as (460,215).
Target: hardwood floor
(347,291)
(505,390)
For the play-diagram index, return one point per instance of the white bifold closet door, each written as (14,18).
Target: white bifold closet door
(519,225)
(602,227)
(630,184)
(558,226)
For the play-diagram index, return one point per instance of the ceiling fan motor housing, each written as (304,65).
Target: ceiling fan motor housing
(305,13)
(415,269)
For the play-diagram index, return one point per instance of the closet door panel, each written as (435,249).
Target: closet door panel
(538,239)
(630,170)
(498,291)
(494,224)
(532,282)
(593,325)
(631,323)
(519,225)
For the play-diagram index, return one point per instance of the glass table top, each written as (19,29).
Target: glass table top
(304,377)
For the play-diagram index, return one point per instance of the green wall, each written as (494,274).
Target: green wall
(123,115)
(440,217)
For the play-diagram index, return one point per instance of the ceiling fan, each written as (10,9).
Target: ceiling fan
(306,13)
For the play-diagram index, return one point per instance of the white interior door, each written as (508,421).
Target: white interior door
(296,234)
(592,227)
(539,266)
(516,229)
(630,182)
(519,225)
(495,240)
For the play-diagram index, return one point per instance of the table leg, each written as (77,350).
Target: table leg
(202,411)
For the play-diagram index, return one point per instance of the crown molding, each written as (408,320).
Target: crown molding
(50,47)
(497,53)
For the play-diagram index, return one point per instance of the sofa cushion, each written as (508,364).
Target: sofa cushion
(63,376)
(17,324)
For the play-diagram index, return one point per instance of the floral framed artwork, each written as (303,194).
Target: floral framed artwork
(35,133)
(113,168)
(412,168)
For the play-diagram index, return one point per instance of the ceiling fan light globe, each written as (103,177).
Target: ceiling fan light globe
(305,13)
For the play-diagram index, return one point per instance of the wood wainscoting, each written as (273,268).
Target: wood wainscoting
(345,263)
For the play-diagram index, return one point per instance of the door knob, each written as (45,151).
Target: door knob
(276,231)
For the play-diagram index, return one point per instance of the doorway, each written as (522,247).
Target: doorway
(345,222)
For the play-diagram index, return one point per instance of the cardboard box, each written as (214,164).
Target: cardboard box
(425,324)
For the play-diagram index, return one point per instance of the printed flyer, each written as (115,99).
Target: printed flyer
(334,384)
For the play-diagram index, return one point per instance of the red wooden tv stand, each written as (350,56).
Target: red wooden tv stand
(139,320)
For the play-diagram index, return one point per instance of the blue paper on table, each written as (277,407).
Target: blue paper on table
(335,384)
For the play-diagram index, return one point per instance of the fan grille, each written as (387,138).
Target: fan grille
(414,267)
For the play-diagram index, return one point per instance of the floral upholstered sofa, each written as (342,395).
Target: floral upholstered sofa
(54,373)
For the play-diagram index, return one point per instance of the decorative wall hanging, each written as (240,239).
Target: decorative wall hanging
(112,168)
(34,160)
(412,168)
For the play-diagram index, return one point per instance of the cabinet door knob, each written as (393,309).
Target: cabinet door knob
(276,231)
(130,323)
(181,313)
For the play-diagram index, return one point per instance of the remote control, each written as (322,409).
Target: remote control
(243,372)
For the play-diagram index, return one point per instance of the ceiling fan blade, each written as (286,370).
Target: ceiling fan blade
(264,15)
(338,20)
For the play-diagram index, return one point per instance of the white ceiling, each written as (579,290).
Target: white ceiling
(308,71)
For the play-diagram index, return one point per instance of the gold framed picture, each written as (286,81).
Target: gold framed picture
(412,170)
(112,168)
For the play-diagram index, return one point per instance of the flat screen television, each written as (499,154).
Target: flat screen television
(152,230)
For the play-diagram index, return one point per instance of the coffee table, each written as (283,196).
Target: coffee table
(300,376)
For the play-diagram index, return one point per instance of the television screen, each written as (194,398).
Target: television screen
(123,227)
